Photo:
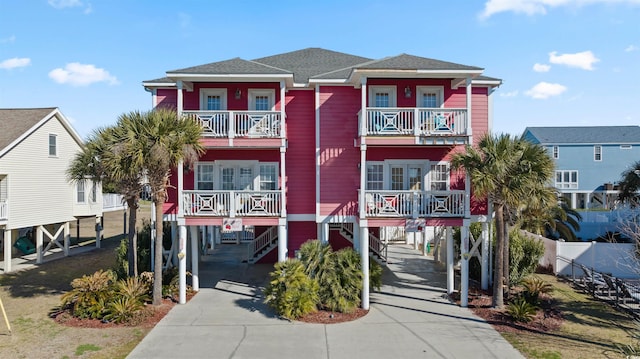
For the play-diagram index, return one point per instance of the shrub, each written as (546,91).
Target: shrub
(90,295)
(123,309)
(533,287)
(524,254)
(291,293)
(340,289)
(135,288)
(521,311)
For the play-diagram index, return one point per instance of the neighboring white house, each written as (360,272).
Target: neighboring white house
(36,147)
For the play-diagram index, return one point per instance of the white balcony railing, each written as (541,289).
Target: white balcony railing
(231,124)
(4,210)
(407,121)
(112,201)
(232,203)
(414,204)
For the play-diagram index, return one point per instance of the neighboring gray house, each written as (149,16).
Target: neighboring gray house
(589,160)
(36,147)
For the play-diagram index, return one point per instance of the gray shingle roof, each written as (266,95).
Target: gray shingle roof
(16,121)
(161,80)
(312,61)
(411,62)
(235,66)
(586,135)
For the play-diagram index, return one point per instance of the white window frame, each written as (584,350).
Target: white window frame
(53,136)
(368,184)
(626,147)
(564,184)
(254,165)
(275,166)
(206,92)
(252,93)
(391,90)
(555,152)
(196,177)
(81,192)
(439,91)
(447,172)
(597,152)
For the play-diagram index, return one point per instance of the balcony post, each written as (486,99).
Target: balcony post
(283,185)
(282,113)
(180,190)
(364,259)
(8,244)
(283,251)
(450,273)
(363,181)
(469,97)
(232,124)
(363,107)
(416,122)
(182,264)
(179,99)
(195,258)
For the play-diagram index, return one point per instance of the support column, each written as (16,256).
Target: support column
(173,252)
(282,240)
(450,274)
(8,244)
(195,259)
(182,265)
(211,238)
(364,259)
(464,264)
(98,232)
(424,241)
(67,238)
(39,246)
(574,201)
(484,279)
(324,232)
(356,237)
(124,222)
(78,229)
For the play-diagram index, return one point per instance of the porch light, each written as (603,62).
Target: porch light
(407,92)
(238,93)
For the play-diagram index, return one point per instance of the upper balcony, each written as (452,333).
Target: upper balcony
(240,128)
(414,204)
(414,125)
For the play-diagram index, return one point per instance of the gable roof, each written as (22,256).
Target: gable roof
(583,135)
(318,64)
(18,123)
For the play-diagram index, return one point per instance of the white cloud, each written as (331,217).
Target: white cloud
(509,94)
(544,90)
(8,40)
(77,74)
(631,48)
(535,7)
(15,62)
(541,68)
(582,60)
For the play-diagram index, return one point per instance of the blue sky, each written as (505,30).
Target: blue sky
(563,62)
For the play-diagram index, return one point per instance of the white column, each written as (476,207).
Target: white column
(415,240)
(282,240)
(573,201)
(180,189)
(464,264)
(98,232)
(195,259)
(173,251)
(179,98)
(39,241)
(450,274)
(424,240)
(67,238)
(182,265)
(283,184)
(484,279)
(324,232)
(364,259)
(211,238)
(469,98)
(356,237)
(8,244)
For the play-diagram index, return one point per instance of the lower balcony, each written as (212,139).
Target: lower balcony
(415,204)
(219,203)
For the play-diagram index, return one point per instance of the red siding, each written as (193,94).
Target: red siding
(337,241)
(339,173)
(300,157)
(298,233)
(166,98)
(479,113)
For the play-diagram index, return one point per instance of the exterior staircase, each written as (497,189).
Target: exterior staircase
(376,247)
(262,245)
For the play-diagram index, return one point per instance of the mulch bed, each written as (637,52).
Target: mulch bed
(328,317)
(547,319)
(149,317)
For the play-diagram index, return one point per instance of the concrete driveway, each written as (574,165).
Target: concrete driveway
(409,318)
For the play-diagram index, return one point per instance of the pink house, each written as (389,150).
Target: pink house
(320,144)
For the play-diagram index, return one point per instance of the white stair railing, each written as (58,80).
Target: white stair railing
(378,247)
(262,241)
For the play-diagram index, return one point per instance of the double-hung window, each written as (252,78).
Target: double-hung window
(429,96)
(204,176)
(375,176)
(261,99)
(382,96)
(213,99)
(53,145)
(80,195)
(268,177)
(597,153)
(439,177)
(556,152)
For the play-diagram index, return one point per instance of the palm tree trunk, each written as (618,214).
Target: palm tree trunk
(132,238)
(498,276)
(158,257)
(506,266)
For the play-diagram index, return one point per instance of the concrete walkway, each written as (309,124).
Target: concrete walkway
(409,318)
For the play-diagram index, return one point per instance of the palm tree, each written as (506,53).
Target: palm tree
(555,220)
(103,161)
(630,184)
(504,170)
(159,141)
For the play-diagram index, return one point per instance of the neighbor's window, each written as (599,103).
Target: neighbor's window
(53,144)
(80,192)
(597,153)
(566,179)
(556,152)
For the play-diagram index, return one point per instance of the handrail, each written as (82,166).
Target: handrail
(414,204)
(230,124)
(414,121)
(262,241)
(378,247)
(223,203)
